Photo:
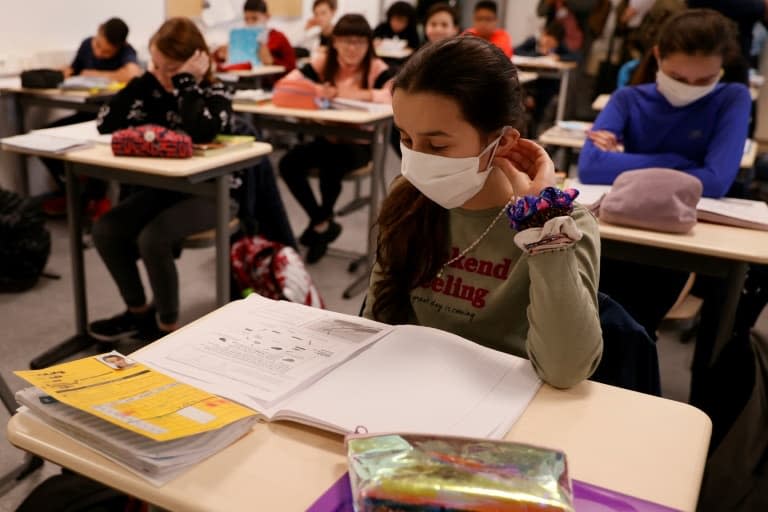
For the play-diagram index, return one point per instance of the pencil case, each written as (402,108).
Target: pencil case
(410,472)
(151,140)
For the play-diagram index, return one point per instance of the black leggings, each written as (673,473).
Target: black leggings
(333,161)
(149,224)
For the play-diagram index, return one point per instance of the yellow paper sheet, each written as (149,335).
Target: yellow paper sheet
(135,397)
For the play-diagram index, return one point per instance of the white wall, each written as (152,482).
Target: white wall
(521,20)
(29,27)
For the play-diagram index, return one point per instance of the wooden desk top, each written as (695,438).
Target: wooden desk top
(556,136)
(62,95)
(394,54)
(525,77)
(543,63)
(101,155)
(328,115)
(251,73)
(602,100)
(632,443)
(707,239)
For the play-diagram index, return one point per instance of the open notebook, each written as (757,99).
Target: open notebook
(339,372)
(742,213)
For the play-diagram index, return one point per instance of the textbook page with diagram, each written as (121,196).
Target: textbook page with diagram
(339,372)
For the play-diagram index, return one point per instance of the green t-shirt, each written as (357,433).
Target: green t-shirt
(542,307)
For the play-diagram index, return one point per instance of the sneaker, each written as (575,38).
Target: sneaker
(97,207)
(330,234)
(150,333)
(121,326)
(316,252)
(308,236)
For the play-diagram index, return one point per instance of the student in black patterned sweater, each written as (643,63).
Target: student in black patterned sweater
(178,92)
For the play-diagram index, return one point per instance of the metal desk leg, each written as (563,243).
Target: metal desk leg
(564,78)
(222,240)
(23,159)
(708,347)
(81,340)
(380,142)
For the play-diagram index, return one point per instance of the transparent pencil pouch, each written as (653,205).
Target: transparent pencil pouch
(412,472)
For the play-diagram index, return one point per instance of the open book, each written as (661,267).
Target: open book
(742,213)
(340,372)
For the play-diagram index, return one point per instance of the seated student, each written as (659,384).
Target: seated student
(178,92)
(562,13)
(400,24)
(446,258)
(542,92)
(277,50)
(486,26)
(441,22)
(688,120)
(323,12)
(108,55)
(349,70)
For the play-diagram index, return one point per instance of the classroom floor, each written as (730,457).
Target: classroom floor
(34,320)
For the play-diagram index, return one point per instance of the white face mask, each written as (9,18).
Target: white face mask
(450,182)
(679,94)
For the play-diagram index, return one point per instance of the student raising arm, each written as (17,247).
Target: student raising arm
(687,120)
(445,257)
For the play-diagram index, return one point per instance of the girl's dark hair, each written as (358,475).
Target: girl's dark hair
(413,230)
(354,25)
(691,32)
(178,39)
(402,10)
(330,3)
(442,7)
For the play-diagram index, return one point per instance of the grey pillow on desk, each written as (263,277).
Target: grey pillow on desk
(656,199)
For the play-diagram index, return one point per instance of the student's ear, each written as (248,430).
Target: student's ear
(508,141)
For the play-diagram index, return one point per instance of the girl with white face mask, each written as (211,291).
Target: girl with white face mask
(447,256)
(687,120)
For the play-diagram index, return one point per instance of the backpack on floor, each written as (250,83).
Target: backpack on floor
(272,270)
(25,243)
(70,492)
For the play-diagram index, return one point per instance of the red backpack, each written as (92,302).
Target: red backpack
(272,270)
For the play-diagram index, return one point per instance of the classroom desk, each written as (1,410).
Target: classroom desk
(636,444)
(208,176)
(251,78)
(709,249)
(549,68)
(602,100)
(394,54)
(572,140)
(525,77)
(349,124)
(81,101)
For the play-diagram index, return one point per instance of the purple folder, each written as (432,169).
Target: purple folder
(588,498)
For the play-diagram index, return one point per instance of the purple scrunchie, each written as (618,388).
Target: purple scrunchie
(533,212)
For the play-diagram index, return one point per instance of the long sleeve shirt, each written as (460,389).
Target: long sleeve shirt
(543,307)
(704,139)
(200,110)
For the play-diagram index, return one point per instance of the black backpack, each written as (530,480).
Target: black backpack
(25,243)
(70,492)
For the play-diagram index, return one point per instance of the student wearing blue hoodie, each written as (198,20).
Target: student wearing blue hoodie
(688,120)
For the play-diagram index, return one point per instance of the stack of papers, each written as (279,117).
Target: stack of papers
(251,95)
(85,131)
(149,423)
(367,106)
(44,143)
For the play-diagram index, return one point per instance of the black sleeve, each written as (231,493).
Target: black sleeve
(205,109)
(382,31)
(383,78)
(413,38)
(309,72)
(78,63)
(527,48)
(115,115)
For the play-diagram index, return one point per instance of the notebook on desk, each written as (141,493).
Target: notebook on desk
(338,372)
(45,143)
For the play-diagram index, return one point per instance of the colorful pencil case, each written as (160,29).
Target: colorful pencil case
(151,140)
(410,472)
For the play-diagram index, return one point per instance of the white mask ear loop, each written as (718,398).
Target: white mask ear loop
(495,145)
